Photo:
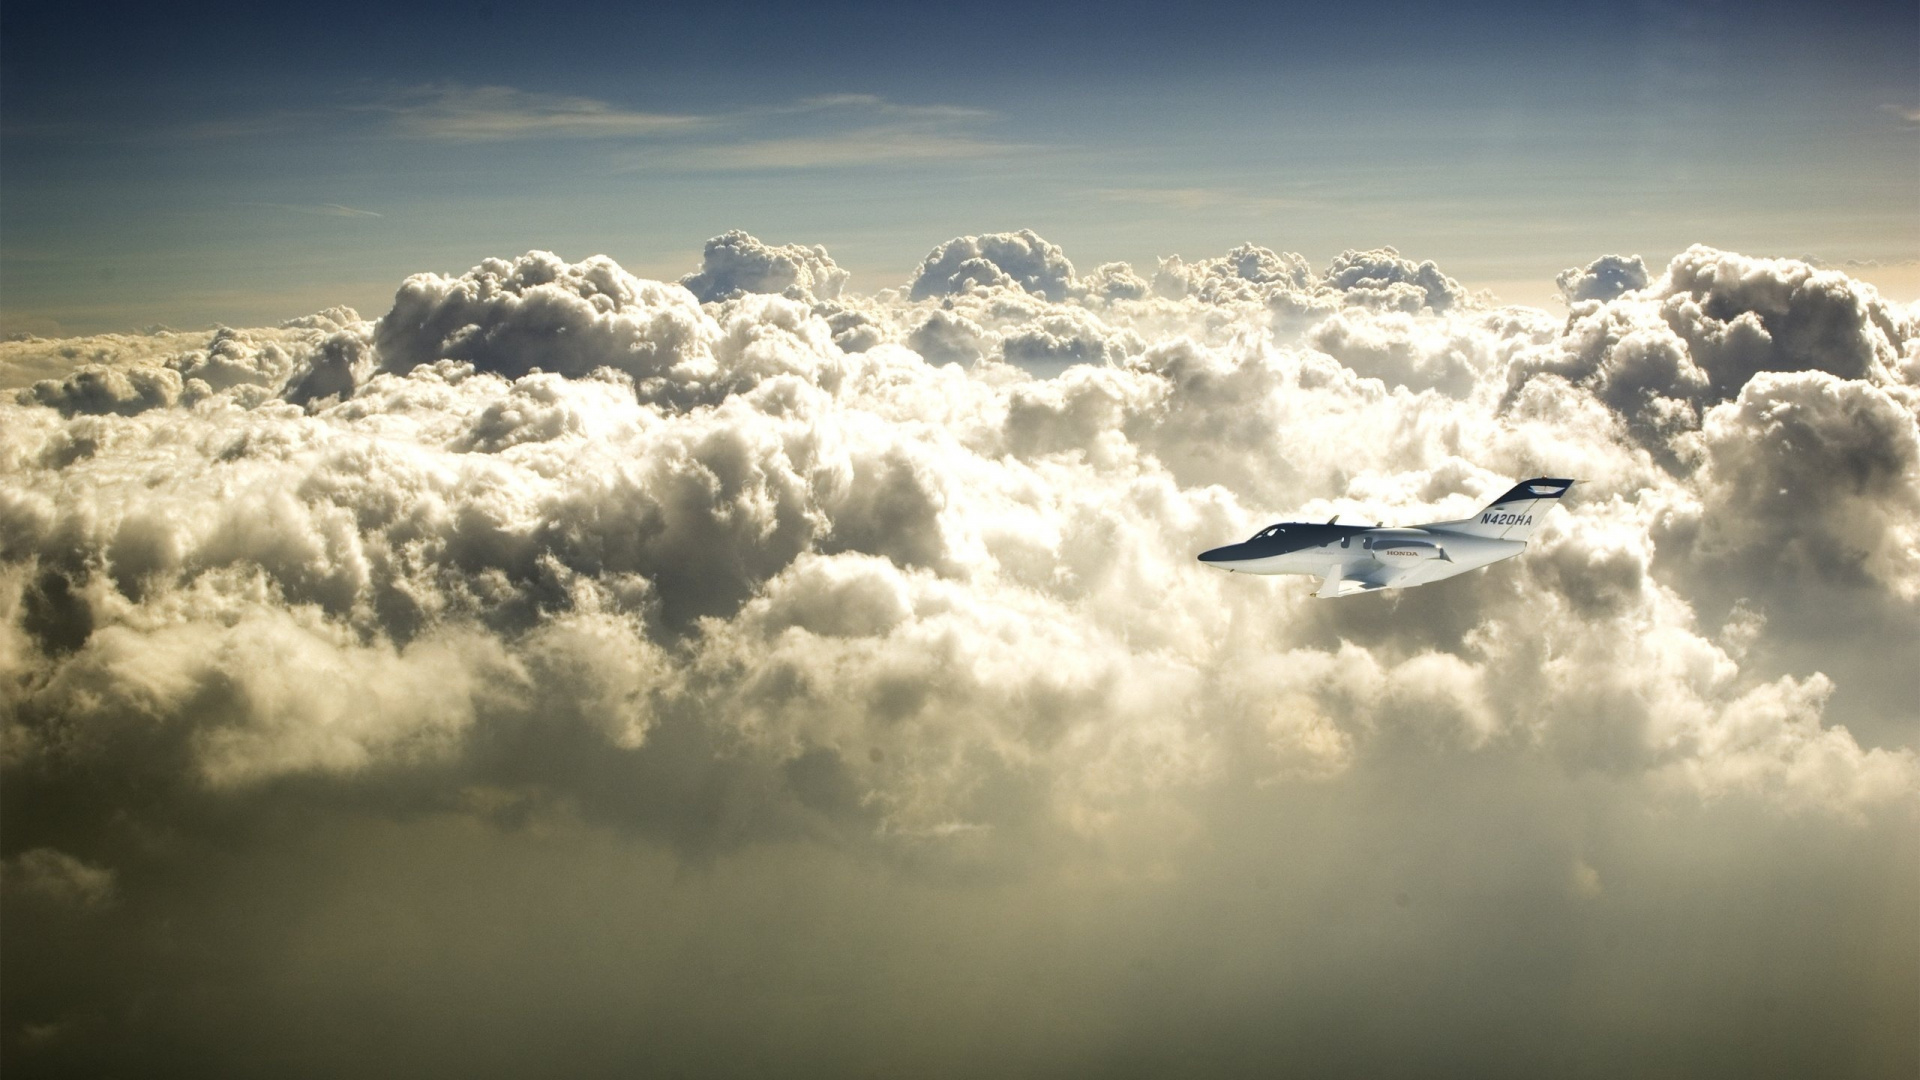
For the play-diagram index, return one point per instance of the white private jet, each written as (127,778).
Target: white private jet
(1351,559)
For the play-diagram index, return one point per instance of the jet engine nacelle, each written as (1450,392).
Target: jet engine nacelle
(1407,551)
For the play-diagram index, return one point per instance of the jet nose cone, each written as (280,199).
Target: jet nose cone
(1219,554)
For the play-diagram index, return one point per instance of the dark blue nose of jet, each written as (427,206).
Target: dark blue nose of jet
(1222,554)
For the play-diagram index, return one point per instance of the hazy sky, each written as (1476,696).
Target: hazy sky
(248,163)
(724,604)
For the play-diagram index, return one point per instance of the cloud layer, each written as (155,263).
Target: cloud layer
(750,565)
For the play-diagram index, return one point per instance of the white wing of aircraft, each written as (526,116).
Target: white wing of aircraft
(1352,559)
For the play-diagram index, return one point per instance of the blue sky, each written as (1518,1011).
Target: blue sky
(246,165)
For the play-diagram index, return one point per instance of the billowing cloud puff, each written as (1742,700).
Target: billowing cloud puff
(1298,297)
(1116,281)
(1402,350)
(1816,479)
(1381,279)
(1741,316)
(1246,272)
(1709,325)
(258,364)
(28,359)
(944,338)
(1017,259)
(98,389)
(1605,278)
(1069,336)
(539,312)
(552,555)
(735,262)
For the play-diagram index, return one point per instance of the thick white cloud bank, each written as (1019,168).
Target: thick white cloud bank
(749,564)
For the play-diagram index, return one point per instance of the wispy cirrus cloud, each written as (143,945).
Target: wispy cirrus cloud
(868,146)
(449,112)
(317,209)
(837,131)
(824,131)
(1203,198)
(876,104)
(459,113)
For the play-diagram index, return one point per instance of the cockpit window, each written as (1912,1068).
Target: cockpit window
(1269,531)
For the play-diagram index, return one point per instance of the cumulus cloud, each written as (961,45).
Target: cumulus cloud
(1604,278)
(251,365)
(543,437)
(737,263)
(1018,259)
(1064,338)
(944,338)
(537,438)
(1382,279)
(750,561)
(1116,281)
(540,312)
(1239,274)
(107,390)
(1297,295)
(1713,322)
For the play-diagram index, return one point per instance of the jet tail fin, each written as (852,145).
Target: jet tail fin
(1513,516)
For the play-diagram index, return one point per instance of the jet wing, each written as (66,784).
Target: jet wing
(1340,580)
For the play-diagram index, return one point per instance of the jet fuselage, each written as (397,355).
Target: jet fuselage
(1420,555)
(1353,558)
